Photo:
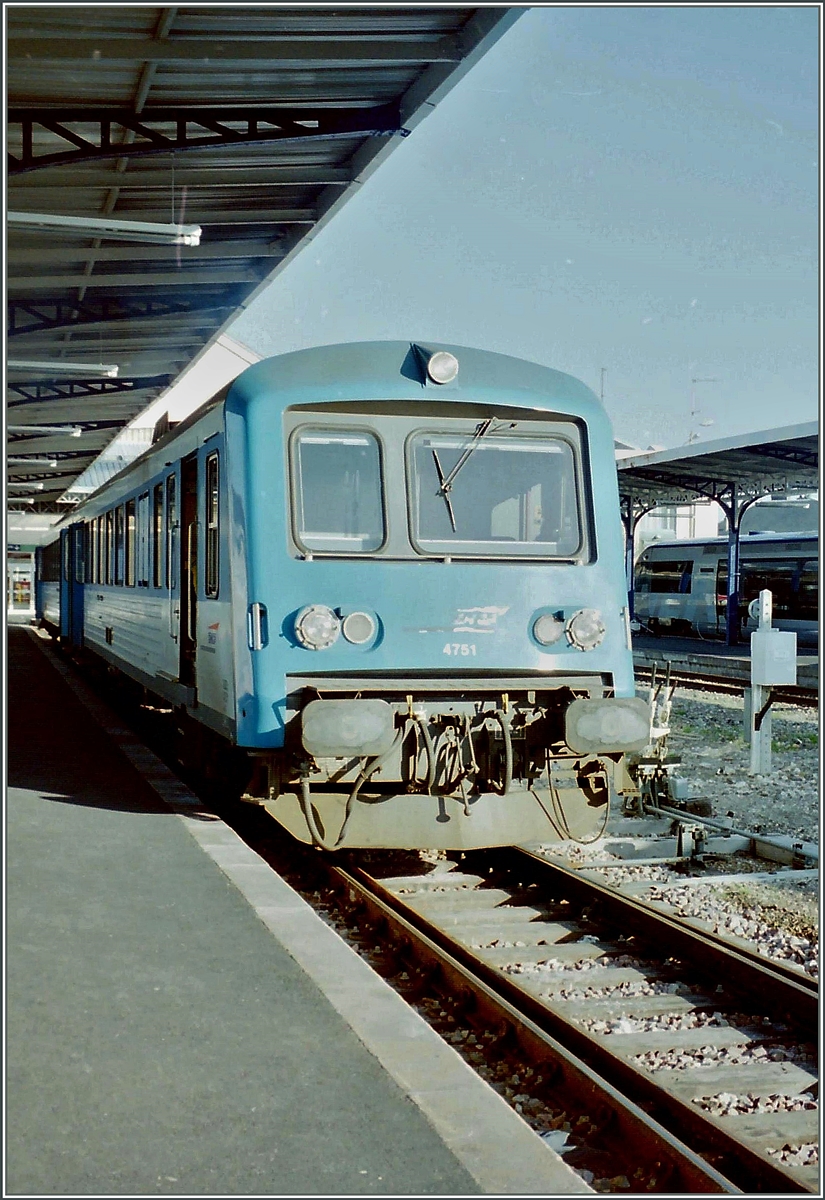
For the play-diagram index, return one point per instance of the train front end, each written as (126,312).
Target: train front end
(436,652)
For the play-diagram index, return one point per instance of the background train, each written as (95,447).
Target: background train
(390,579)
(681,586)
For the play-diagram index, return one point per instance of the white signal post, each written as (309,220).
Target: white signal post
(773,661)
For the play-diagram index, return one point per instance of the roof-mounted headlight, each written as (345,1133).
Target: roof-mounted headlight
(442,367)
(585,629)
(317,627)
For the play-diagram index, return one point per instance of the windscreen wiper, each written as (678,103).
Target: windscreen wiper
(446,484)
(444,489)
(481,431)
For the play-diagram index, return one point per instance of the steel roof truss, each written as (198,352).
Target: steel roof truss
(713,489)
(38,390)
(61,455)
(788,453)
(194,129)
(35,433)
(251,51)
(53,313)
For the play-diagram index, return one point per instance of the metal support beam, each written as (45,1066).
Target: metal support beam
(632,512)
(164,130)
(32,314)
(787,453)
(249,174)
(72,459)
(283,53)
(37,390)
(188,276)
(734,507)
(732,602)
(681,483)
(44,435)
(50,482)
(225,249)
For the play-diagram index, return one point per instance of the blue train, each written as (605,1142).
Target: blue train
(389,577)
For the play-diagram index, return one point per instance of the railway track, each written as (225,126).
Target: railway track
(803,697)
(610,1013)
(622,1006)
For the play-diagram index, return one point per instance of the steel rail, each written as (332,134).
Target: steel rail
(787,992)
(745,1169)
(787,971)
(676,1165)
(799,695)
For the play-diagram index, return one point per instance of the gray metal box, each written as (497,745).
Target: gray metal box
(773,657)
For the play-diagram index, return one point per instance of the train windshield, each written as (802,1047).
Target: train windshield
(338,497)
(494,494)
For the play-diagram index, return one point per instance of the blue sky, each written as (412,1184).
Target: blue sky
(634,188)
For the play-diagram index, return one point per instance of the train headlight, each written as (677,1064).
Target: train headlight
(317,627)
(547,629)
(347,728)
(442,367)
(585,629)
(358,628)
(611,726)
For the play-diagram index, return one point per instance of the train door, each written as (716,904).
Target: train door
(188,569)
(71,584)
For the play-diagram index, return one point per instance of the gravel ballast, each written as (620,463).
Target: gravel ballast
(707,731)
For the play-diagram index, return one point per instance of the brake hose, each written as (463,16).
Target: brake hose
(421,721)
(508,750)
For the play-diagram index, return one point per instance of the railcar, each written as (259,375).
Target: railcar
(389,577)
(681,586)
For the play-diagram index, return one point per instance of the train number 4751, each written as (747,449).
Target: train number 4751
(464,649)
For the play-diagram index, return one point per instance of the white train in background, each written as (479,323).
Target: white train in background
(681,586)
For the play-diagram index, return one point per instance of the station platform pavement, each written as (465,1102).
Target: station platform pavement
(180,1022)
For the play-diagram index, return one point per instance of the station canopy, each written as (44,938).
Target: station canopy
(732,471)
(252,124)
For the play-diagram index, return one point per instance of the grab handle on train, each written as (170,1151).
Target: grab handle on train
(256,621)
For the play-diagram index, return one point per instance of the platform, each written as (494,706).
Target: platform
(180,1022)
(715,660)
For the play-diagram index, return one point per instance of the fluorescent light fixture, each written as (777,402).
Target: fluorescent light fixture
(148,232)
(29,487)
(31,462)
(60,367)
(21,500)
(74,431)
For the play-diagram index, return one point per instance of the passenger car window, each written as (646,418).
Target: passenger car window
(120,547)
(492,494)
(131,539)
(337,491)
(664,577)
(143,533)
(171,533)
(110,532)
(157,535)
(780,577)
(212,531)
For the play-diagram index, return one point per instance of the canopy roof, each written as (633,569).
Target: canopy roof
(254,123)
(742,467)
